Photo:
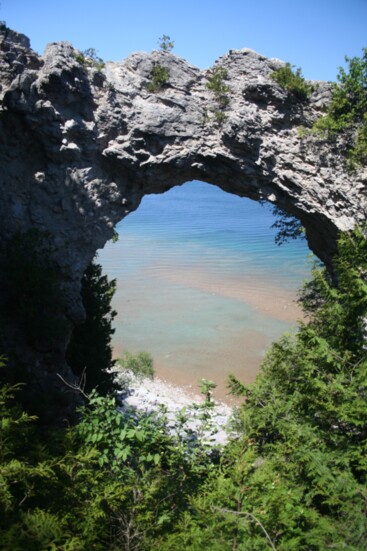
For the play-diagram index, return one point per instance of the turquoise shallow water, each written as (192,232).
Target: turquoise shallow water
(201,284)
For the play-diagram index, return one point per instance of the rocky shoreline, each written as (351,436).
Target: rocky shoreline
(153,395)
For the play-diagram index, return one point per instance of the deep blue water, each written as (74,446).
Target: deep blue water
(201,283)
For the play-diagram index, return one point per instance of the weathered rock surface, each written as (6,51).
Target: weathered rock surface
(81,147)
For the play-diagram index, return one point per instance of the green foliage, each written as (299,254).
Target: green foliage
(89,353)
(116,481)
(288,226)
(89,58)
(216,84)
(219,117)
(165,43)
(294,476)
(305,417)
(115,236)
(159,77)
(348,109)
(140,365)
(357,155)
(206,388)
(349,98)
(292,80)
(235,387)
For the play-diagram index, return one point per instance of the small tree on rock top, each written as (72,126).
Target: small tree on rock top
(165,43)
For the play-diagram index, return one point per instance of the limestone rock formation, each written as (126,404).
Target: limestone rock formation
(80,147)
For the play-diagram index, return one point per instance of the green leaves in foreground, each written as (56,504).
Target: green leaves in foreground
(296,476)
(115,481)
(293,478)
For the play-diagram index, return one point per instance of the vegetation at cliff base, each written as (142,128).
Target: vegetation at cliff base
(89,353)
(140,365)
(294,477)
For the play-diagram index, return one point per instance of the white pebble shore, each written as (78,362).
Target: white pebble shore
(150,394)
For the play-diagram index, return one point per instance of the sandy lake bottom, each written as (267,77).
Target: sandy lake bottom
(202,286)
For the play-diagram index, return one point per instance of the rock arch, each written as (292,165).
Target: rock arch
(80,147)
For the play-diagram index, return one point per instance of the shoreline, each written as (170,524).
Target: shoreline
(200,324)
(150,395)
(225,346)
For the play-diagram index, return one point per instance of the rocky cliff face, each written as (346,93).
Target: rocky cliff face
(81,147)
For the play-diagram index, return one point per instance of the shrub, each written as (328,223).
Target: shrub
(292,81)
(206,388)
(140,365)
(89,58)
(159,77)
(216,84)
(357,155)
(219,117)
(347,109)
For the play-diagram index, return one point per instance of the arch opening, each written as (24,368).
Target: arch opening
(201,284)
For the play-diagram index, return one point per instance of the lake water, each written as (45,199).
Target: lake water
(201,284)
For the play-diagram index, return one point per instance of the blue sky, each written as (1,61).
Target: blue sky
(312,34)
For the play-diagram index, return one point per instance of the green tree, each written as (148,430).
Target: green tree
(348,109)
(165,43)
(296,475)
(349,96)
(89,352)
